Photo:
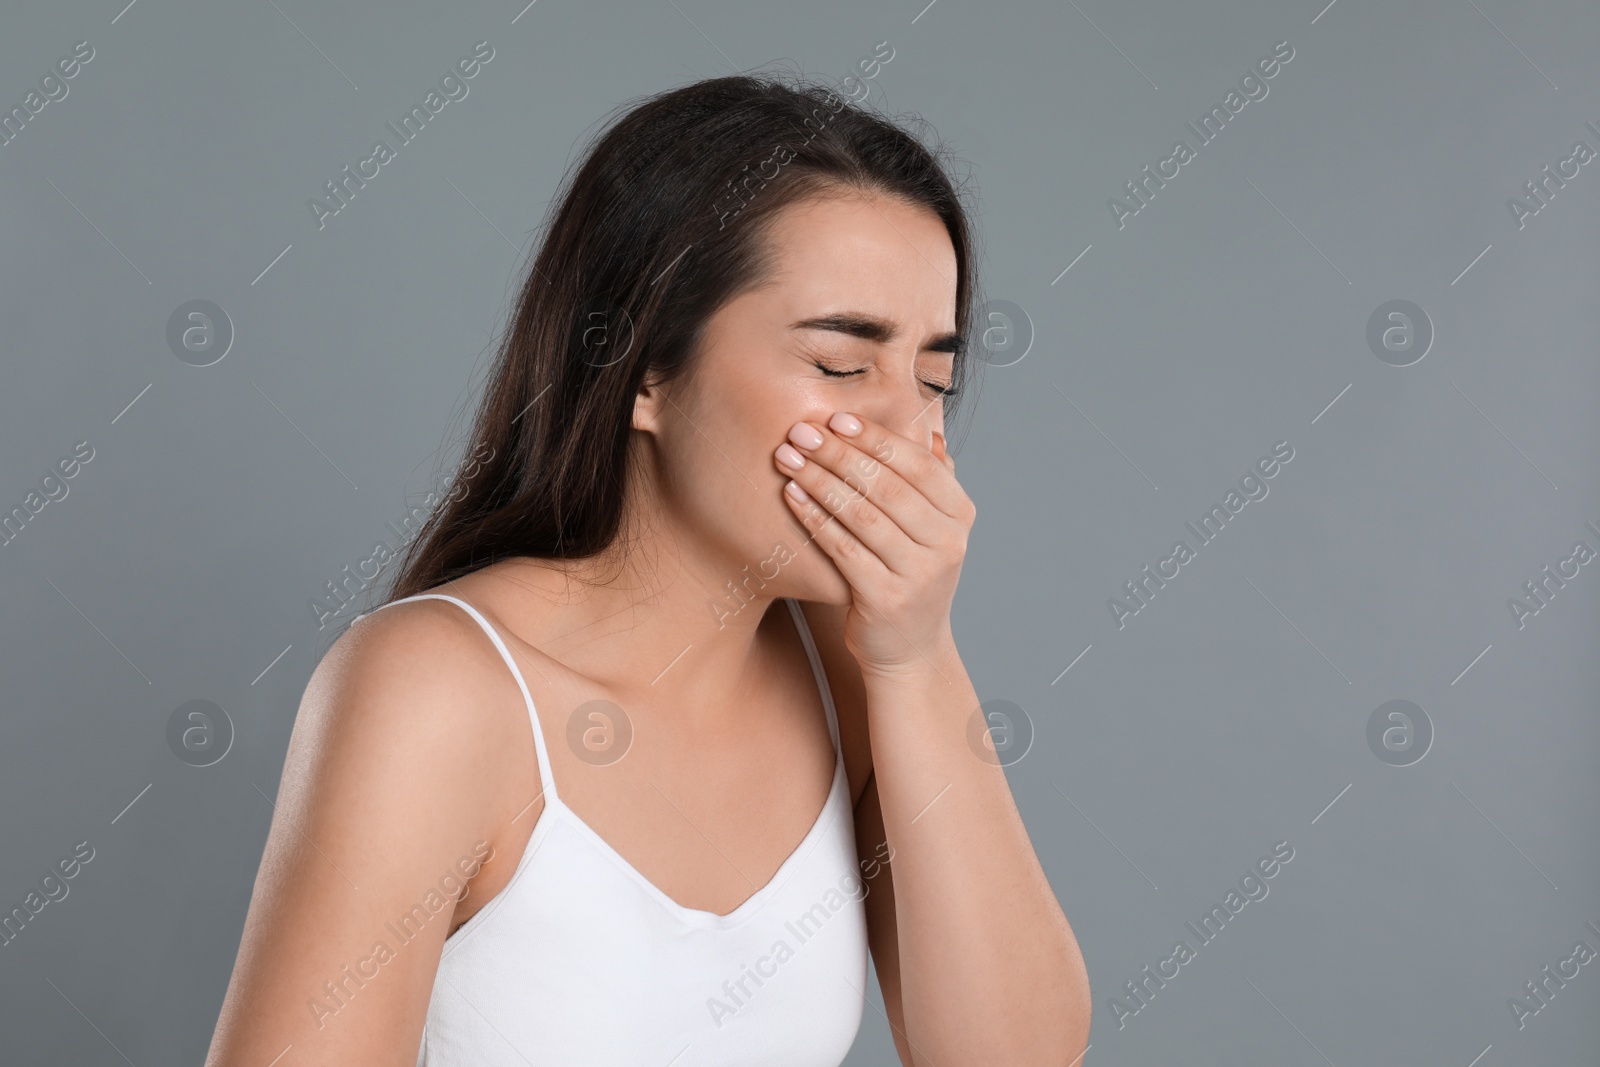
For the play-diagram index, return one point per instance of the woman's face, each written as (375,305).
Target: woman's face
(865,286)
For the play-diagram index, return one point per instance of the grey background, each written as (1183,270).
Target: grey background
(1225,317)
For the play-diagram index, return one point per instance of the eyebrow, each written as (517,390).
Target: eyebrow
(871,328)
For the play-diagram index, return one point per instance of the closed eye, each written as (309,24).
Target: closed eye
(942,390)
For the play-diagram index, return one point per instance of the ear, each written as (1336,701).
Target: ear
(648,404)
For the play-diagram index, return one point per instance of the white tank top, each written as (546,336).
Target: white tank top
(581,959)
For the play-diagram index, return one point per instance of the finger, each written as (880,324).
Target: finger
(832,462)
(860,566)
(849,499)
(917,466)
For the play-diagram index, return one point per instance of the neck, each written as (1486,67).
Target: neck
(649,618)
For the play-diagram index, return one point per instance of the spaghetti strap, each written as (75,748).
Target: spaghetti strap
(817,671)
(546,779)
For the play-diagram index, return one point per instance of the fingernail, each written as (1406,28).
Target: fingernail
(789,457)
(794,490)
(845,423)
(805,435)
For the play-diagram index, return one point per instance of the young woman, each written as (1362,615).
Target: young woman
(664,724)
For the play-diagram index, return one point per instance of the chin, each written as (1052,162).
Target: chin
(812,575)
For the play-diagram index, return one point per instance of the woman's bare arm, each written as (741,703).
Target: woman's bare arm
(986,967)
(849,692)
(1046,941)
(383,813)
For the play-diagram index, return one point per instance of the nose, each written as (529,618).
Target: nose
(909,411)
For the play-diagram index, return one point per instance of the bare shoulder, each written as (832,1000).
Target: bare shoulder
(387,807)
(826,622)
(414,678)
(415,701)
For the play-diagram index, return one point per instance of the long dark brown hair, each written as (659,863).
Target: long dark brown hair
(658,226)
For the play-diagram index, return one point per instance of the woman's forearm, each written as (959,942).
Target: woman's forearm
(990,969)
